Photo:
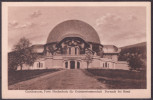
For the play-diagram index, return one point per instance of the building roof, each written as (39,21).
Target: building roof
(73,28)
(39,48)
(110,49)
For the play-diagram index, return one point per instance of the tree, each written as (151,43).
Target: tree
(22,54)
(12,61)
(88,58)
(135,62)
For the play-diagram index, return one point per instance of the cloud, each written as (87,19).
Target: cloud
(108,18)
(17,25)
(114,19)
(132,18)
(25,25)
(129,35)
(43,23)
(35,14)
(13,23)
(122,38)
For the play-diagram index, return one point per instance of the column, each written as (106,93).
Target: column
(75,64)
(78,51)
(63,64)
(72,50)
(108,65)
(80,64)
(68,64)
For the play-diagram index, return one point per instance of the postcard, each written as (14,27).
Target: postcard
(76,50)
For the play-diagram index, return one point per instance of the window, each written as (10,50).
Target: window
(106,64)
(75,51)
(69,50)
(39,65)
(66,64)
(78,65)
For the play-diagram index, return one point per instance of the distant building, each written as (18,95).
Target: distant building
(67,45)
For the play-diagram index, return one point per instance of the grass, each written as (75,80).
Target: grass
(22,75)
(120,79)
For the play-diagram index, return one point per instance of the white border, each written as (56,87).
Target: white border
(17,94)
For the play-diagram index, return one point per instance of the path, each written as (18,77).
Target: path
(65,79)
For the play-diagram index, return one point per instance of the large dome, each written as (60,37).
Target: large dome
(73,28)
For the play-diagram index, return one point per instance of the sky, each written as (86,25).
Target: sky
(119,26)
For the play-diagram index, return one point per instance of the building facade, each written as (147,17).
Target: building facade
(73,43)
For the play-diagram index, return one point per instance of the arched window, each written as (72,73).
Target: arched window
(106,64)
(39,64)
(75,51)
(69,50)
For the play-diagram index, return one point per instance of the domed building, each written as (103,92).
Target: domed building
(74,44)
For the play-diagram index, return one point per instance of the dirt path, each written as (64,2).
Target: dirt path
(65,79)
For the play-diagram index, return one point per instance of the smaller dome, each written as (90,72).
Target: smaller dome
(110,49)
(38,48)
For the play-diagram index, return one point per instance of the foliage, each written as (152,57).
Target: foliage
(12,61)
(135,55)
(135,62)
(88,58)
(118,74)
(126,52)
(22,54)
(119,79)
(19,76)
(22,44)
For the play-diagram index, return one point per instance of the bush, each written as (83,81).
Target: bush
(135,62)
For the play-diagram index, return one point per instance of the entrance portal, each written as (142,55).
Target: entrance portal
(72,64)
(66,64)
(78,65)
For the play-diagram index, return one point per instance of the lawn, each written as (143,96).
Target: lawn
(119,79)
(22,75)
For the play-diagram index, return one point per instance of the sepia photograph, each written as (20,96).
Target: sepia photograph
(81,47)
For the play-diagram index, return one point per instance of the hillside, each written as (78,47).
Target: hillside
(143,44)
(136,49)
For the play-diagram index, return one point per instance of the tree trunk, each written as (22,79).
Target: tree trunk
(87,65)
(21,66)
